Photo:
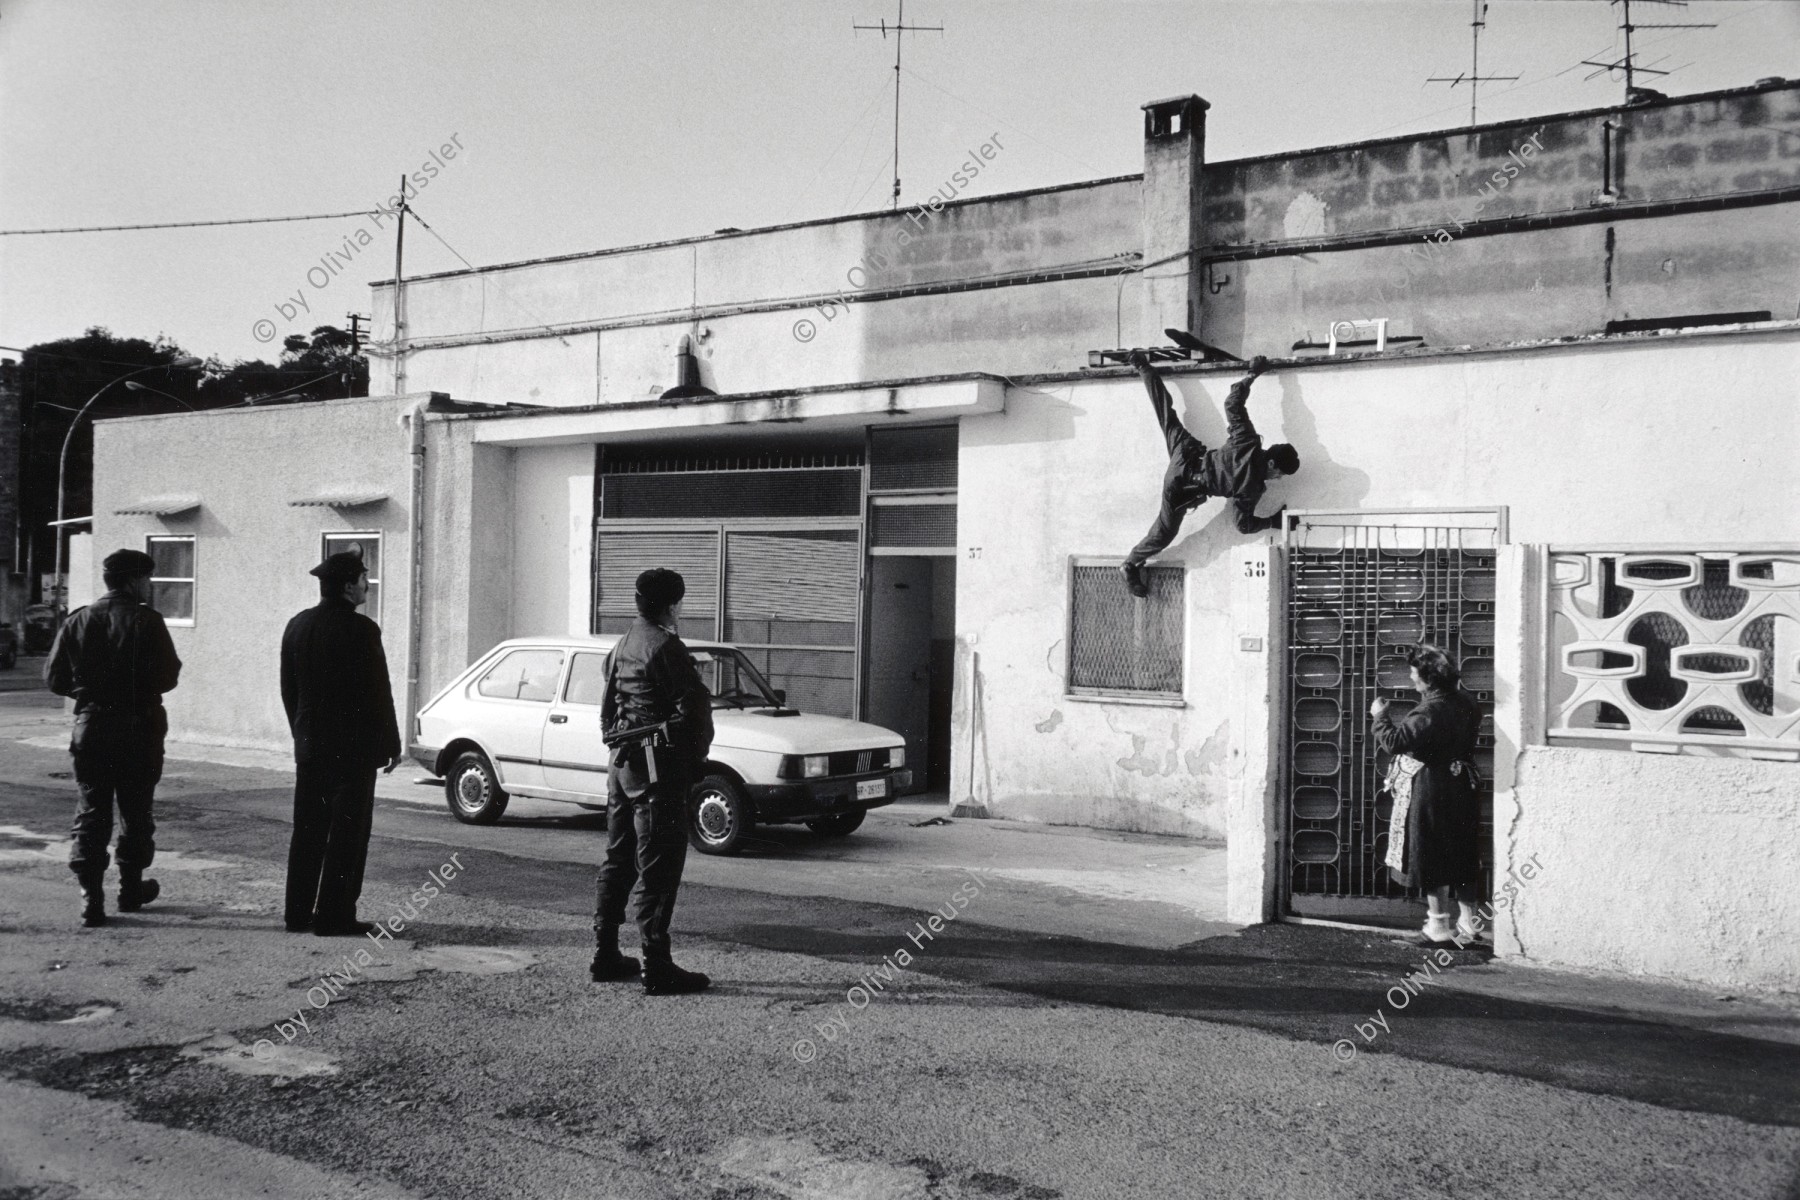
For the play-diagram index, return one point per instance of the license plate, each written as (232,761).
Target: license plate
(871,789)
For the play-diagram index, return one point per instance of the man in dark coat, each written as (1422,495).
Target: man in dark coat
(650,680)
(334,684)
(1238,470)
(116,659)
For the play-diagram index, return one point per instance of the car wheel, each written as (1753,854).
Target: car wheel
(473,790)
(718,816)
(837,824)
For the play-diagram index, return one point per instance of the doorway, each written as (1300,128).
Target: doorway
(1362,589)
(912,631)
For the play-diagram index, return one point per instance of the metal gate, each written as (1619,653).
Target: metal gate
(1362,588)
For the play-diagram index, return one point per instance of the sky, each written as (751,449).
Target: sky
(587,124)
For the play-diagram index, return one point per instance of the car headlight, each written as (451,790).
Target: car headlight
(817,766)
(897,757)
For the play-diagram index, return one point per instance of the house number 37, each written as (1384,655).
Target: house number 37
(974,551)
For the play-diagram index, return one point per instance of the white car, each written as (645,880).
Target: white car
(524,720)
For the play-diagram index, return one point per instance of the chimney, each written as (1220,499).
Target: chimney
(687,374)
(1174,151)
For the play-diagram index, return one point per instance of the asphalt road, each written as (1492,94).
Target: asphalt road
(1083,1027)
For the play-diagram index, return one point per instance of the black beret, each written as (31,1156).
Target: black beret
(660,587)
(128,562)
(346,566)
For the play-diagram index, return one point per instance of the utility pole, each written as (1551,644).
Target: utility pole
(900,28)
(400,296)
(356,331)
(1628,64)
(1475,77)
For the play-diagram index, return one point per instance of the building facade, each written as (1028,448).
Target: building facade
(1541,376)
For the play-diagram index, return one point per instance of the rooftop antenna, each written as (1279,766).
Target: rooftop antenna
(1475,77)
(1628,63)
(899,27)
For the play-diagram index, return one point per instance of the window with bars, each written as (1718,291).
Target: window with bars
(1120,645)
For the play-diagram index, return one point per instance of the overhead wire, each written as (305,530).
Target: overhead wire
(189,224)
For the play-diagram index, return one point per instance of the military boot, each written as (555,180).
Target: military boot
(609,966)
(134,890)
(93,900)
(664,978)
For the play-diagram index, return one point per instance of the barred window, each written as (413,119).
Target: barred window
(1120,645)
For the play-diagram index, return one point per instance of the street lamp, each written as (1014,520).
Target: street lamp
(62,464)
(135,386)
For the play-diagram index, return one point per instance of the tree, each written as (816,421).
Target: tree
(57,378)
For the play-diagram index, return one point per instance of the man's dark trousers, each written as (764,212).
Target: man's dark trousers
(646,847)
(119,760)
(334,809)
(1185,451)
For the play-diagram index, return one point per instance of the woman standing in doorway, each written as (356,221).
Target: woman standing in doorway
(1435,840)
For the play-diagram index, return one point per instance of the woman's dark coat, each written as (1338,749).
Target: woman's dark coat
(1443,828)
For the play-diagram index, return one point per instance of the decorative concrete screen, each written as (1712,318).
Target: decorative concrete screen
(1675,651)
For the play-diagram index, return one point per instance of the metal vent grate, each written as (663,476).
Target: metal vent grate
(1119,643)
(924,525)
(830,492)
(912,459)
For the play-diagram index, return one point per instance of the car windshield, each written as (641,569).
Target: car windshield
(733,682)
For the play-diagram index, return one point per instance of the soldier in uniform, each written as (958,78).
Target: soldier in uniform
(116,659)
(650,680)
(334,684)
(1238,470)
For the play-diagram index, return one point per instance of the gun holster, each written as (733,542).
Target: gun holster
(647,740)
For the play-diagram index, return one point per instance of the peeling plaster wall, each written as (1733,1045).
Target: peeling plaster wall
(1681,439)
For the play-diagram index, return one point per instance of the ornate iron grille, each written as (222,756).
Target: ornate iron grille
(1359,598)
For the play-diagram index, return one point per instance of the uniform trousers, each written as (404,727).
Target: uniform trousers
(334,809)
(118,758)
(646,848)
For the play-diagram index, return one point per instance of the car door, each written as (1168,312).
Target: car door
(513,697)
(574,756)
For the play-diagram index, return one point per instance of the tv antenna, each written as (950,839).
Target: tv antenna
(1628,63)
(898,28)
(1475,78)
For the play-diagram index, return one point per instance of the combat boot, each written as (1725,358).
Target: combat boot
(666,979)
(134,890)
(93,900)
(609,966)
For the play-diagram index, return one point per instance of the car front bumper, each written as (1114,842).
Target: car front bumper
(804,800)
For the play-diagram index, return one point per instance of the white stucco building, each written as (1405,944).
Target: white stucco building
(1569,458)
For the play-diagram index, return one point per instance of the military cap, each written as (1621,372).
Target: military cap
(128,562)
(660,587)
(346,566)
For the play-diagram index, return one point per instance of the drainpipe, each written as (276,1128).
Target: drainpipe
(414,419)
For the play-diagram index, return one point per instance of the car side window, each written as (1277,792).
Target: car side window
(522,675)
(587,680)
